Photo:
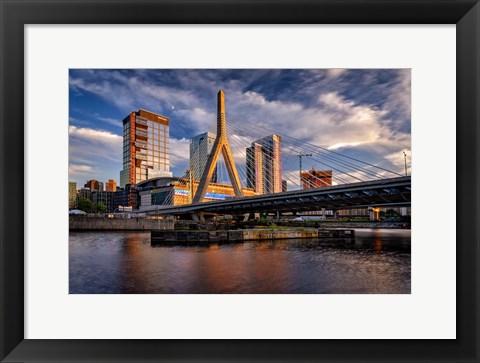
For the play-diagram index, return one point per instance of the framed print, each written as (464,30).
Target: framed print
(126,92)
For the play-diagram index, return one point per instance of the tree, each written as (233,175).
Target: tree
(392,213)
(85,205)
(101,208)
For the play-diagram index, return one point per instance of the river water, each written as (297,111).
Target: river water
(375,262)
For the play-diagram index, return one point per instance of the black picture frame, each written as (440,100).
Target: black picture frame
(15,14)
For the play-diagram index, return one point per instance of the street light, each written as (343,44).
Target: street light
(405,157)
(300,160)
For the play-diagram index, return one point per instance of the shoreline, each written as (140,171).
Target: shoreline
(96,223)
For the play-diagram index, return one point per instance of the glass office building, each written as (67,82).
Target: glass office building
(264,165)
(200,148)
(145,147)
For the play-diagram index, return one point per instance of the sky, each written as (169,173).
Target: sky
(362,113)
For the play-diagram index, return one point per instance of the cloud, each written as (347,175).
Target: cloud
(80,169)
(109,120)
(334,122)
(335,72)
(94,154)
(398,103)
(397,159)
(200,118)
(94,135)
(179,155)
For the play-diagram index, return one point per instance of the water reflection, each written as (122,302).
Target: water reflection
(375,261)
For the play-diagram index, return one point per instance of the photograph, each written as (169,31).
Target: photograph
(239,181)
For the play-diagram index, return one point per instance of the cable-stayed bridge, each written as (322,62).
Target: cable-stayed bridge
(262,165)
(392,192)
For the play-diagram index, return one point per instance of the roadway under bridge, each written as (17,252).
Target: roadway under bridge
(391,192)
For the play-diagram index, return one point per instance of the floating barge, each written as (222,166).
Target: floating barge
(336,233)
(171,237)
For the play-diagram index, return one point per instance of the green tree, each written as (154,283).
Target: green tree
(392,213)
(101,208)
(85,204)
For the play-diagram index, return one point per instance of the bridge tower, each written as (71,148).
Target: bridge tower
(220,144)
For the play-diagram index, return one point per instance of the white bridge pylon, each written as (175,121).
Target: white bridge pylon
(220,144)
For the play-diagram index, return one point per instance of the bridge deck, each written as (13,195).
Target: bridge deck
(385,192)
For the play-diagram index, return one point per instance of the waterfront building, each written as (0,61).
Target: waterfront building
(177,191)
(264,165)
(354,212)
(145,147)
(316,178)
(84,193)
(323,212)
(126,197)
(111,185)
(94,185)
(72,195)
(106,198)
(200,148)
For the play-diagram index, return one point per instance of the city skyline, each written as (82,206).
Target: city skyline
(361,113)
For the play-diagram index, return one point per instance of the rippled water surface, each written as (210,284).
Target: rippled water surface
(375,262)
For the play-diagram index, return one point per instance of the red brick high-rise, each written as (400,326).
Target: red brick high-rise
(316,178)
(111,185)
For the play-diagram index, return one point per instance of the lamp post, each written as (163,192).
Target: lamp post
(300,161)
(405,158)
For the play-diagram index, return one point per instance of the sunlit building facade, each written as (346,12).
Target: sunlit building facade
(145,147)
(72,195)
(111,185)
(177,191)
(264,165)
(316,178)
(94,185)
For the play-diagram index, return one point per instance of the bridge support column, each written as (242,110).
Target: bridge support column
(194,217)
(335,214)
(374,213)
(198,217)
(220,145)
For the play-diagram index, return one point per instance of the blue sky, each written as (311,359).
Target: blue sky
(362,113)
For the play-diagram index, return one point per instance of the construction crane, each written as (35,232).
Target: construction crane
(300,161)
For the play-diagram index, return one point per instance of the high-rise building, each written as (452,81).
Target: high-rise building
(94,185)
(264,165)
(111,185)
(316,178)
(72,195)
(145,147)
(200,148)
